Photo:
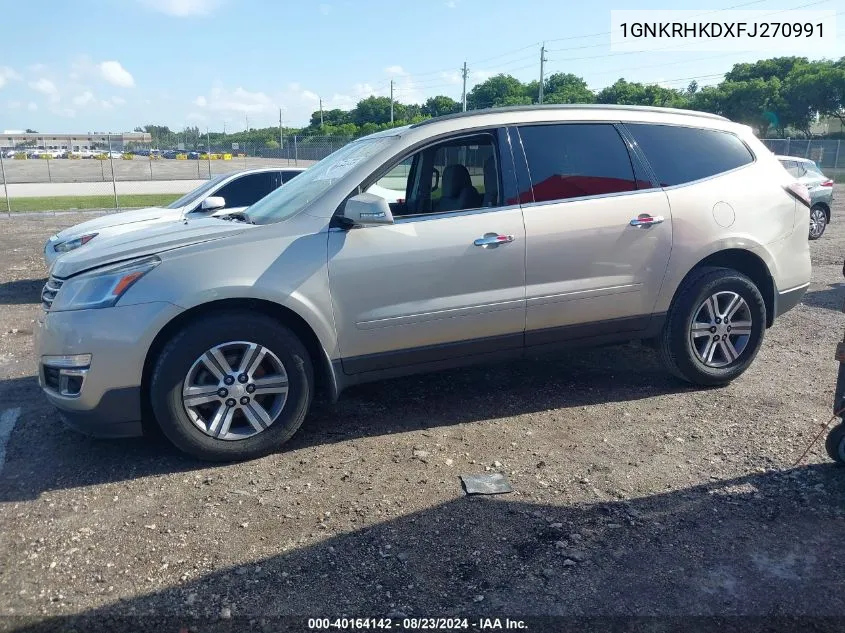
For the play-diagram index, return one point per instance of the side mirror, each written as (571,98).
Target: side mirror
(213,202)
(367,209)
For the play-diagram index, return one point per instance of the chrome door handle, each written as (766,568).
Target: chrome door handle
(645,220)
(492,240)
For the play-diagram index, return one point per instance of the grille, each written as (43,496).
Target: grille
(49,293)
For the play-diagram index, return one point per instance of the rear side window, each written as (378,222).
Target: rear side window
(246,190)
(574,160)
(683,154)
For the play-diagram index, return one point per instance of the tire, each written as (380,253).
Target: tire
(284,396)
(685,353)
(835,443)
(818,222)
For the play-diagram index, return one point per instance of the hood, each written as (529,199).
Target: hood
(117,219)
(154,239)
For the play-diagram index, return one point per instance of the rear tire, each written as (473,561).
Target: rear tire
(835,443)
(702,341)
(818,222)
(272,383)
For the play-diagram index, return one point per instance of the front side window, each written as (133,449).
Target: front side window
(574,160)
(683,154)
(453,175)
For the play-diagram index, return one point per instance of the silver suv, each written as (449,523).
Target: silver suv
(519,230)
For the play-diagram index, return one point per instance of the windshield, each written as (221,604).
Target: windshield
(314,181)
(197,194)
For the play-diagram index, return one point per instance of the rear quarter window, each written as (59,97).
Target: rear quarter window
(683,154)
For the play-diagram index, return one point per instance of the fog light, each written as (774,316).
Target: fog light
(73,360)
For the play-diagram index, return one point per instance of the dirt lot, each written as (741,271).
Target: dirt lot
(634,494)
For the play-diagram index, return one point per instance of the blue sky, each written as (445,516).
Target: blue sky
(109,65)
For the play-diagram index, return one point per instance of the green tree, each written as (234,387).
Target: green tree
(499,90)
(440,105)
(566,88)
(371,110)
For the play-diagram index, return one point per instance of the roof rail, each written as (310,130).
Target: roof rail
(573,106)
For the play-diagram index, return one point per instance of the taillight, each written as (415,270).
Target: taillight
(799,192)
(826,183)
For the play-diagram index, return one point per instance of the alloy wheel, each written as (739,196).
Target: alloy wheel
(235,390)
(721,329)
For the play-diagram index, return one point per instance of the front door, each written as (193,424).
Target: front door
(598,234)
(447,279)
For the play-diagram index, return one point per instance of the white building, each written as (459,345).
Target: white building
(12,139)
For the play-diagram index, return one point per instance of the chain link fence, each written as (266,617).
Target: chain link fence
(828,154)
(116,178)
(139,175)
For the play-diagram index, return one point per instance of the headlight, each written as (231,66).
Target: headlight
(64,247)
(103,287)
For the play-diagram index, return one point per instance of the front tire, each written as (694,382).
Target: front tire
(714,327)
(818,222)
(231,387)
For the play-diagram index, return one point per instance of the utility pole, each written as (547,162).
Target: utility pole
(464,92)
(542,61)
(282,134)
(224,128)
(321,112)
(391,102)
(246,118)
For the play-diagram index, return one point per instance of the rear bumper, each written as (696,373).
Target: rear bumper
(788,299)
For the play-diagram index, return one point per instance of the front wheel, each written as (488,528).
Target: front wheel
(714,327)
(818,222)
(231,387)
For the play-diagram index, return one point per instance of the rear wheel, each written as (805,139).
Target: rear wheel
(714,327)
(232,387)
(835,443)
(818,222)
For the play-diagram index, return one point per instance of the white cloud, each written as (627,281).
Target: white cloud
(37,68)
(451,4)
(238,100)
(395,70)
(32,106)
(307,95)
(46,87)
(13,105)
(106,105)
(325,9)
(196,117)
(116,74)
(6,74)
(83,99)
(118,100)
(65,112)
(183,8)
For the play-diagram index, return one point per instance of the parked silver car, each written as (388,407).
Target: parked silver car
(226,194)
(820,187)
(521,229)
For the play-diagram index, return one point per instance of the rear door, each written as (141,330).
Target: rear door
(598,233)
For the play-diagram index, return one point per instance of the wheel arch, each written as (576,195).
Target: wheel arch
(325,380)
(745,262)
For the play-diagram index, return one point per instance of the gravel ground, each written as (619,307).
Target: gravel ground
(633,494)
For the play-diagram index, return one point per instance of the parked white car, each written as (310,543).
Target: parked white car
(222,196)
